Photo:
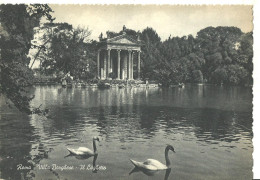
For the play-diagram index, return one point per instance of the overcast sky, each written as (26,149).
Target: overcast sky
(165,19)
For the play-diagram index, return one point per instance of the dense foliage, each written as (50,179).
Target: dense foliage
(17,23)
(217,55)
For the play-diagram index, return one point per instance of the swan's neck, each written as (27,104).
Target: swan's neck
(94,145)
(168,163)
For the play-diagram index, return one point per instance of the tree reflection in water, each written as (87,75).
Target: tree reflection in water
(146,111)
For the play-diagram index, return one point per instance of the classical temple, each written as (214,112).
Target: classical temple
(116,56)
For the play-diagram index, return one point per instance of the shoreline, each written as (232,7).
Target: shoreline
(74,85)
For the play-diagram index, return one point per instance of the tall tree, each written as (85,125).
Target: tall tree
(150,52)
(245,55)
(218,46)
(65,50)
(181,56)
(17,24)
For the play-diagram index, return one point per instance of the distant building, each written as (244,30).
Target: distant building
(116,56)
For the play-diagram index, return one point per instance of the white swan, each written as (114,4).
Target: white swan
(152,164)
(83,151)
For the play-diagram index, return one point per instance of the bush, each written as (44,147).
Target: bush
(197,76)
(103,85)
(112,75)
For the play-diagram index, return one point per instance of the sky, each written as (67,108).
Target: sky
(167,20)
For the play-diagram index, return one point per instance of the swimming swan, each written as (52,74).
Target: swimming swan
(152,164)
(83,151)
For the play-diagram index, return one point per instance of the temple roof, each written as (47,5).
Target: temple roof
(120,41)
(123,39)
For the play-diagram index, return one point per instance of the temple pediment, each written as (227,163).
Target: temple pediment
(123,39)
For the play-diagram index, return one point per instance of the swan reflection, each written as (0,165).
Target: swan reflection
(94,167)
(80,157)
(151,172)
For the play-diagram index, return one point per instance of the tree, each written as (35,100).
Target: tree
(197,76)
(245,55)
(180,56)
(168,73)
(65,50)
(91,55)
(150,52)
(17,24)
(228,54)
(169,69)
(43,36)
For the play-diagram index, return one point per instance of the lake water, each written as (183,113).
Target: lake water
(210,128)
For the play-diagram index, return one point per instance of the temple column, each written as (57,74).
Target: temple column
(124,66)
(129,64)
(98,65)
(132,66)
(111,64)
(118,64)
(105,66)
(108,63)
(139,64)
